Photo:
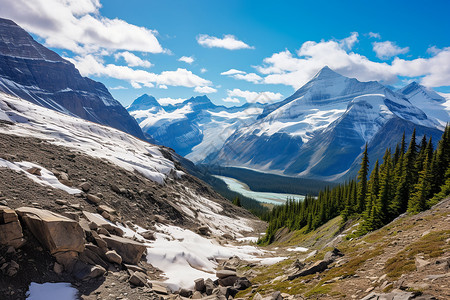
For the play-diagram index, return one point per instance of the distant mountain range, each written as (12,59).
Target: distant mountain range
(32,72)
(319,132)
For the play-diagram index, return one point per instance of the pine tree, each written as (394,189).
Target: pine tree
(406,179)
(371,215)
(237,201)
(386,186)
(422,190)
(362,182)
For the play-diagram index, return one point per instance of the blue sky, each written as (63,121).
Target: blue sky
(135,46)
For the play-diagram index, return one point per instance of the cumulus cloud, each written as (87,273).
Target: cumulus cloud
(132,60)
(92,65)
(253,97)
(187,59)
(295,69)
(231,100)
(232,72)
(204,89)
(170,101)
(77,25)
(162,86)
(203,70)
(227,42)
(250,77)
(388,49)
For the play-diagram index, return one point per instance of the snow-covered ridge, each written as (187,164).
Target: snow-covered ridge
(90,138)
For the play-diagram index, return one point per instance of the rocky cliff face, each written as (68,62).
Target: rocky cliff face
(32,72)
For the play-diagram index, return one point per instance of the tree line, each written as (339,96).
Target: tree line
(409,179)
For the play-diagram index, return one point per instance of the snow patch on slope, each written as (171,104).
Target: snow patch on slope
(46,178)
(90,138)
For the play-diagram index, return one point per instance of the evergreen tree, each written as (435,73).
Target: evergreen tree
(237,201)
(422,190)
(362,182)
(386,186)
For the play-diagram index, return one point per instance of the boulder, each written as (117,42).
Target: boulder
(149,235)
(85,186)
(113,257)
(56,232)
(228,281)
(93,198)
(10,228)
(159,289)
(138,279)
(185,293)
(209,286)
(109,210)
(102,223)
(225,273)
(96,271)
(203,230)
(197,295)
(199,284)
(242,284)
(35,171)
(130,251)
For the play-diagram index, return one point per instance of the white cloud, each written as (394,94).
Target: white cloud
(132,60)
(388,49)
(250,77)
(119,87)
(162,86)
(295,70)
(227,42)
(92,65)
(170,101)
(350,41)
(187,59)
(231,100)
(203,70)
(374,35)
(232,72)
(204,89)
(77,25)
(135,85)
(253,97)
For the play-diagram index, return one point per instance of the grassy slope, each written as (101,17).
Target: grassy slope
(382,260)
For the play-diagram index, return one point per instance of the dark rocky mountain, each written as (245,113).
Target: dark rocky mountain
(32,72)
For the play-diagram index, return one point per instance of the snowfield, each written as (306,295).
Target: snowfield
(90,138)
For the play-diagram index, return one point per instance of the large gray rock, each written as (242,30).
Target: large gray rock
(225,273)
(10,228)
(130,251)
(100,222)
(56,232)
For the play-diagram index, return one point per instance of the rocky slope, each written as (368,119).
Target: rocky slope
(39,75)
(90,205)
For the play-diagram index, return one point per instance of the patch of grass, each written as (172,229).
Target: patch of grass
(319,290)
(430,245)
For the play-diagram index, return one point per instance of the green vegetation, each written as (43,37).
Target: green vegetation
(404,182)
(262,182)
(430,245)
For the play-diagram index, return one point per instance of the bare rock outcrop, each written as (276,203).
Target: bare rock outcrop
(10,228)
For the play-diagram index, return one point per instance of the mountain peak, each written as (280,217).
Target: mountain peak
(143,102)
(326,73)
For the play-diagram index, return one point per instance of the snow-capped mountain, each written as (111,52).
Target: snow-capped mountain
(433,104)
(194,128)
(320,131)
(39,75)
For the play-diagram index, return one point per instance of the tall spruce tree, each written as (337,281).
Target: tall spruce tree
(362,182)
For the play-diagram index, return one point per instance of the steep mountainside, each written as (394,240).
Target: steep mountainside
(69,171)
(194,128)
(34,73)
(320,131)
